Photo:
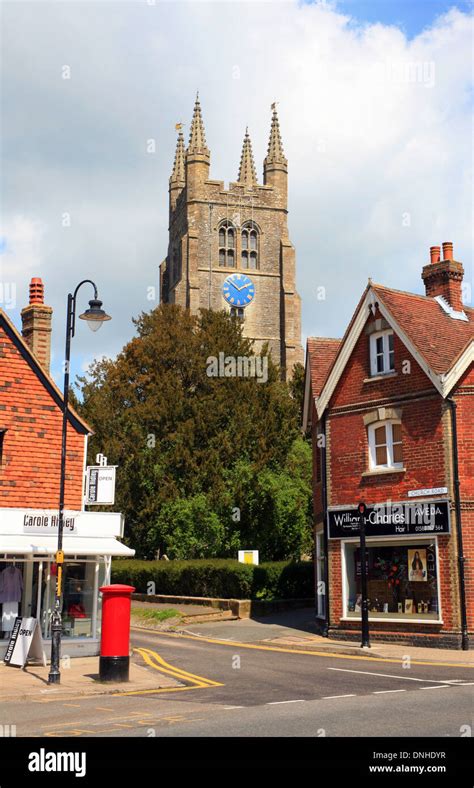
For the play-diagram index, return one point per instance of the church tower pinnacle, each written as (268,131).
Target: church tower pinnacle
(198,156)
(247,173)
(178,176)
(275,165)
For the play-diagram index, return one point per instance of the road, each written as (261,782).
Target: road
(244,689)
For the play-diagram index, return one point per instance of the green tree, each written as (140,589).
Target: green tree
(189,447)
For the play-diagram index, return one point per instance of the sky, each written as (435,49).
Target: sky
(375,106)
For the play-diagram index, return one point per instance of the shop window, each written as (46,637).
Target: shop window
(11,595)
(402,581)
(385,444)
(382,356)
(78,598)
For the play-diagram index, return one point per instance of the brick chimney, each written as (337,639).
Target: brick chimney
(443,277)
(36,324)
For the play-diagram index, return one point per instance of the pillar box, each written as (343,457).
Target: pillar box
(114,662)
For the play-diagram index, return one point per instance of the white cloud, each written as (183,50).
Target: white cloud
(376,129)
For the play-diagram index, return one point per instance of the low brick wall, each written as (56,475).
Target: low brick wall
(241,608)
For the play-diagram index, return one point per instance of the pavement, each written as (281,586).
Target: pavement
(79,677)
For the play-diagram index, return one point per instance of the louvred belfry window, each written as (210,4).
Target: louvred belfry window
(227,245)
(249,247)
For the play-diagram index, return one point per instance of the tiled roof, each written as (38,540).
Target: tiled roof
(321,354)
(438,337)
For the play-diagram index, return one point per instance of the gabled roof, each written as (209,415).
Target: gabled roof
(442,346)
(320,355)
(322,352)
(75,420)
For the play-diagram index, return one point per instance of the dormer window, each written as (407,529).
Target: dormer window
(382,356)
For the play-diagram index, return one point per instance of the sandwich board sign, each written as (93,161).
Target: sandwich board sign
(100,485)
(25,641)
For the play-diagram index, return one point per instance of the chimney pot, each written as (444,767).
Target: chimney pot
(36,291)
(447,250)
(435,252)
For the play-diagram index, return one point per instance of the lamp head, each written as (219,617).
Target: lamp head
(95,315)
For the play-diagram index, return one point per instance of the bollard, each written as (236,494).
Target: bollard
(114,662)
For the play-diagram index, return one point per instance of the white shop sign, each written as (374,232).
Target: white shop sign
(46,523)
(100,485)
(25,641)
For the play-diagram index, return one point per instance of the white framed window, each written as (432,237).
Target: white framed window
(385,444)
(382,356)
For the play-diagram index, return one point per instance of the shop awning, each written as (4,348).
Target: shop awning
(26,544)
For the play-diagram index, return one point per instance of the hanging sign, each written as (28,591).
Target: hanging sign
(392,519)
(100,485)
(25,641)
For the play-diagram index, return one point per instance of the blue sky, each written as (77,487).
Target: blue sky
(411,16)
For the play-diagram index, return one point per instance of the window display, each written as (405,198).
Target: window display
(401,581)
(11,590)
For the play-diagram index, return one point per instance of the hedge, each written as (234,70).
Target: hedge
(222,578)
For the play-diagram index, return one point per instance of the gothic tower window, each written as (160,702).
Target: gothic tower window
(249,246)
(227,245)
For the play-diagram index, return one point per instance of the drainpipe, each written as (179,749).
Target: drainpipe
(457,505)
(325,630)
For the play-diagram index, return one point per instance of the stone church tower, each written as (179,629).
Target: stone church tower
(216,232)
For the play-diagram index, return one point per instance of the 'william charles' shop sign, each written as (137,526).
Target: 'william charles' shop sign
(392,519)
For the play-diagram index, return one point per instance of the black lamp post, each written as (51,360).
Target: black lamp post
(362,508)
(94,316)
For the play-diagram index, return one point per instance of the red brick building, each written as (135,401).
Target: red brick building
(30,456)
(390,407)
(31,416)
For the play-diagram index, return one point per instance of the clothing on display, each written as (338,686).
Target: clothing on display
(11,584)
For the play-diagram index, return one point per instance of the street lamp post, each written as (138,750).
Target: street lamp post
(362,508)
(94,316)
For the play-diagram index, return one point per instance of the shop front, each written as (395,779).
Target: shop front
(28,543)
(406,545)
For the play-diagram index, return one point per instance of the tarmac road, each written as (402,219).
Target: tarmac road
(244,689)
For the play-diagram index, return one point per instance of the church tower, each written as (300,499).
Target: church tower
(229,248)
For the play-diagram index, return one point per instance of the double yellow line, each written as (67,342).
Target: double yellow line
(158,663)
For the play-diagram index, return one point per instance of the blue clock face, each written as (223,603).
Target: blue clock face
(238,290)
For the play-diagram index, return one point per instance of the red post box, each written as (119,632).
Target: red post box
(114,662)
